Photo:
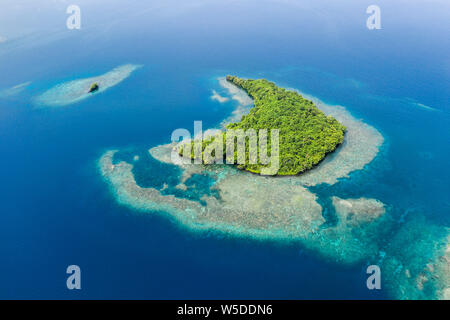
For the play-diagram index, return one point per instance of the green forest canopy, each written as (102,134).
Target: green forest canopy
(306,134)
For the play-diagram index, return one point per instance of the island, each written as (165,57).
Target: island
(306,134)
(76,90)
(94,87)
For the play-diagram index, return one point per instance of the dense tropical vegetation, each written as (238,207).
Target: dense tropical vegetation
(306,134)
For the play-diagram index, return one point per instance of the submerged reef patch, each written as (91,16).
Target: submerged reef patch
(76,90)
(306,134)
(417,263)
(261,207)
(244,102)
(6,93)
(361,145)
(357,211)
(414,256)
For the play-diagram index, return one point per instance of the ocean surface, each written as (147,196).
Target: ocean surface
(56,210)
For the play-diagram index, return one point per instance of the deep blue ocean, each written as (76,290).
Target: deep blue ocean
(55,209)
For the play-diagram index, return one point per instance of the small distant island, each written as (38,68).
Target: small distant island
(94,87)
(307,135)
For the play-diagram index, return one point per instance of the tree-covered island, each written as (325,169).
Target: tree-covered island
(94,87)
(306,134)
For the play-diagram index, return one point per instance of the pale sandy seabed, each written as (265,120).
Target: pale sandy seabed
(13,91)
(282,208)
(76,90)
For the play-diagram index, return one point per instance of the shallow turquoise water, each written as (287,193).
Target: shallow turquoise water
(56,210)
